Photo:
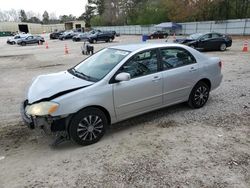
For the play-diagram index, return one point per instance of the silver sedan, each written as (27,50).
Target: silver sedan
(118,83)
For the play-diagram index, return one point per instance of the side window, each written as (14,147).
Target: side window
(208,36)
(215,35)
(141,64)
(176,57)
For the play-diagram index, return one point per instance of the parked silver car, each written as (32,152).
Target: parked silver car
(13,40)
(118,83)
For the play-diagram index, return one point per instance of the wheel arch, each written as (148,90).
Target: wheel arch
(206,81)
(104,110)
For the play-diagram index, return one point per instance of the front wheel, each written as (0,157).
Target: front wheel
(199,95)
(88,126)
(23,43)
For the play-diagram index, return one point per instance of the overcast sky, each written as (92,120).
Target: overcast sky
(75,7)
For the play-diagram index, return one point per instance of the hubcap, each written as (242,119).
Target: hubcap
(223,47)
(90,127)
(201,96)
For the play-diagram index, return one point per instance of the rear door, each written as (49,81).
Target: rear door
(144,91)
(216,41)
(180,73)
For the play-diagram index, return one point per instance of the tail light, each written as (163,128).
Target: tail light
(220,64)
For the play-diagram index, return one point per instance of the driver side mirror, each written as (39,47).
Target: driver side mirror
(123,77)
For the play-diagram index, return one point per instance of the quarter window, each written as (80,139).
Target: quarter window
(175,57)
(141,64)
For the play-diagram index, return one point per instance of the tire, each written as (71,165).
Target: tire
(88,126)
(13,43)
(199,95)
(94,40)
(23,43)
(223,47)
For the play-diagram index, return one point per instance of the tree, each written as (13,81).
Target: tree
(34,19)
(88,15)
(23,16)
(45,17)
(66,18)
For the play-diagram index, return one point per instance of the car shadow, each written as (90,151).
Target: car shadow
(128,124)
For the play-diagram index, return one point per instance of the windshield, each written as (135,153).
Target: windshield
(195,36)
(99,65)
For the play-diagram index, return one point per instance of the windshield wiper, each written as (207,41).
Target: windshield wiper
(82,75)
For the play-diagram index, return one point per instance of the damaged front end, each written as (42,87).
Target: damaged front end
(54,126)
(46,122)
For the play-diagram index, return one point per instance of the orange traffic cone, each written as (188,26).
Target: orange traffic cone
(46,45)
(66,51)
(245,46)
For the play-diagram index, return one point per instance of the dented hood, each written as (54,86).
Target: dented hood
(54,85)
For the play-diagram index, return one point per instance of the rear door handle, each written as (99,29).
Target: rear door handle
(192,69)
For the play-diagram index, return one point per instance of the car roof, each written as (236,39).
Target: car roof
(144,46)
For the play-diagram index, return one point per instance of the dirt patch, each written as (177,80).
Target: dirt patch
(172,147)
(167,124)
(47,66)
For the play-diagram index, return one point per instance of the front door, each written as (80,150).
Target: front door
(205,42)
(144,91)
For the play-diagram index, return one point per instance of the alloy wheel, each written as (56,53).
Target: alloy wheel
(90,127)
(201,96)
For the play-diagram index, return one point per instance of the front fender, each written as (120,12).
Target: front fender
(91,96)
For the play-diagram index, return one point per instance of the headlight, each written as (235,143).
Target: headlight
(42,108)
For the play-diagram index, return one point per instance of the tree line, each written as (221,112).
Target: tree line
(31,17)
(143,12)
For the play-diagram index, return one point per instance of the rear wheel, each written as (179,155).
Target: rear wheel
(88,126)
(199,95)
(223,47)
(13,43)
(23,43)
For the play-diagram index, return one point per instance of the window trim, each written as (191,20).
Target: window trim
(159,69)
(189,53)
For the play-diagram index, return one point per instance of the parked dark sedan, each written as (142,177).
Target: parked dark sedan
(68,35)
(84,36)
(55,35)
(207,41)
(30,40)
(158,35)
(101,36)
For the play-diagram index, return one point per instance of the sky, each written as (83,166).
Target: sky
(75,7)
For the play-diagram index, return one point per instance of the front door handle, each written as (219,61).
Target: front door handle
(156,78)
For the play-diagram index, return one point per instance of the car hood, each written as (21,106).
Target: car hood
(184,40)
(47,87)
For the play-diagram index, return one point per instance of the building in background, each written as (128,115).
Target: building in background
(7,27)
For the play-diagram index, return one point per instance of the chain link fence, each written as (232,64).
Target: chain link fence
(232,27)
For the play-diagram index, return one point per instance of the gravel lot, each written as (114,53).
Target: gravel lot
(172,147)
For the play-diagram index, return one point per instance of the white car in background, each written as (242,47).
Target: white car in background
(118,83)
(13,40)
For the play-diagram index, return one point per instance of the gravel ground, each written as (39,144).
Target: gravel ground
(172,147)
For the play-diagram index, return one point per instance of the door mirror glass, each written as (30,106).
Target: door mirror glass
(122,77)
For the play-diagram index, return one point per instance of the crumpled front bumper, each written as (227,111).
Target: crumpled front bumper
(48,124)
(26,119)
